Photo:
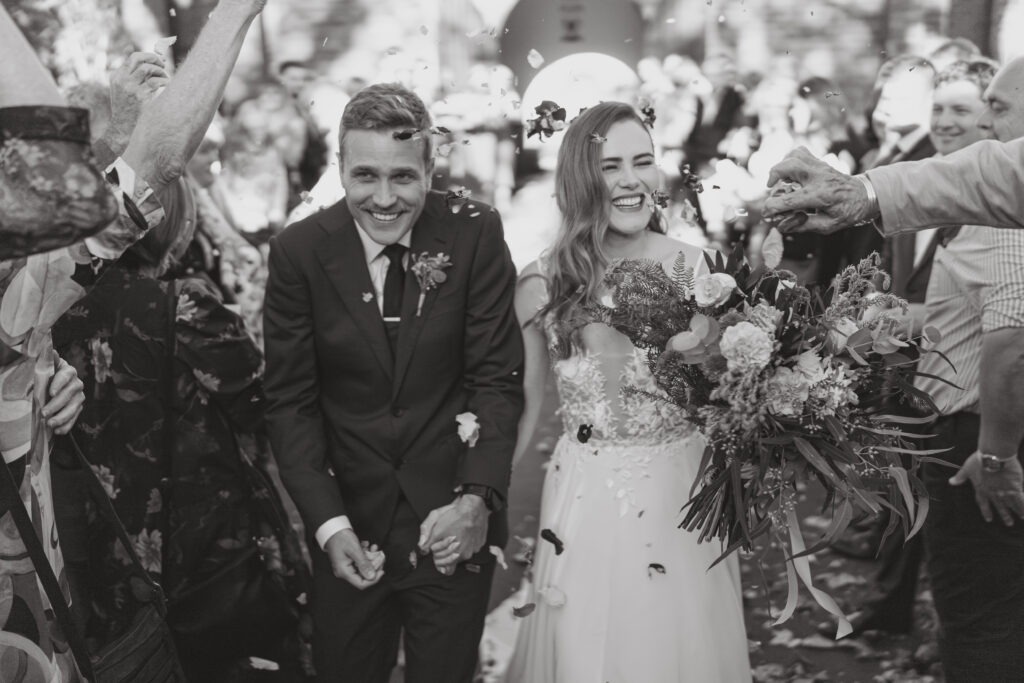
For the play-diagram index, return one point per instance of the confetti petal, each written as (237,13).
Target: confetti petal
(524,611)
(655,567)
(660,198)
(161,46)
(549,536)
(771,249)
(456,199)
(691,180)
(584,433)
(535,59)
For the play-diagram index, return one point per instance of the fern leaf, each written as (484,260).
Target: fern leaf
(682,275)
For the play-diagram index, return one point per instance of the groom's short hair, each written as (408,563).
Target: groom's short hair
(388,106)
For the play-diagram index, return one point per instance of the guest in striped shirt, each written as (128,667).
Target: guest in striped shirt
(975,297)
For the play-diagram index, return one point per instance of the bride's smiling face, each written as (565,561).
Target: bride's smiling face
(630,174)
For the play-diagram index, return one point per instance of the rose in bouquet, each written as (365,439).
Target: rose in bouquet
(786,393)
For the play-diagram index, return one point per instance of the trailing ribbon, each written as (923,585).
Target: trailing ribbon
(800,567)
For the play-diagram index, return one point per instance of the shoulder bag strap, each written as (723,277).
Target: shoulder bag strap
(169,383)
(10,499)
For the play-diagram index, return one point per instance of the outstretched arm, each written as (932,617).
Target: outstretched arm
(172,125)
(981,184)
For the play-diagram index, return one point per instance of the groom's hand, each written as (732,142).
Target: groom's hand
(353,561)
(455,532)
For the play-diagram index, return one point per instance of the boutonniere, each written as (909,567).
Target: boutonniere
(429,271)
(469,428)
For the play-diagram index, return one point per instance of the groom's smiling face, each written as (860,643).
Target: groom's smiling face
(386,182)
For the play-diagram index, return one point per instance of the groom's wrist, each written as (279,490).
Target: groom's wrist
(491,498)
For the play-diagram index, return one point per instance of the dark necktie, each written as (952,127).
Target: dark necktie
(394,281)
(394,285)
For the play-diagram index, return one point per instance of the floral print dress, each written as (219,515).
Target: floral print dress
(183,499)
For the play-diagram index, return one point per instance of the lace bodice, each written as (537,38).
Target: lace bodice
(590,387)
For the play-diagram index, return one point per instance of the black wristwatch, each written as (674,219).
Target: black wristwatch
(492,500)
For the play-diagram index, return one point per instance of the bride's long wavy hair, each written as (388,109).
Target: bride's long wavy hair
(575,264)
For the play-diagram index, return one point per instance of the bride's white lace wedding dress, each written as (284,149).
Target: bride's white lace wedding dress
(629,597)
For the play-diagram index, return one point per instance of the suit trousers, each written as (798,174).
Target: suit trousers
(976,569)
(439,619)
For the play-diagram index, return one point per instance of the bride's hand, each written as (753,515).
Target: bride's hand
(454,532)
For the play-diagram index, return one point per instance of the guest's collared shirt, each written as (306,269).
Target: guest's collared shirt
(976,286)
(377,263)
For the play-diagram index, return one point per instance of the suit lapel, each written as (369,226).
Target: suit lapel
(344,262)
(428,235)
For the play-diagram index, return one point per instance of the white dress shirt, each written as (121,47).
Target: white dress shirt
(377,263)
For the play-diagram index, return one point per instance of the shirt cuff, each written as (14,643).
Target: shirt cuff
(139,211)
(331,527)
(875,208)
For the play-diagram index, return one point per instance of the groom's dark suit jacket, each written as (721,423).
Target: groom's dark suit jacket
(352,425)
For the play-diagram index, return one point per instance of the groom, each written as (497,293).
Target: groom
(372,352)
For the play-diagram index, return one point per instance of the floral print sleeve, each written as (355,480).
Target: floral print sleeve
(224,361)
(51,193)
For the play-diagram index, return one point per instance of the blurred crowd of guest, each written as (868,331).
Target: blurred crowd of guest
(728,129)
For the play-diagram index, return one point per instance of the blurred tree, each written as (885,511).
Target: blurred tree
(78,40)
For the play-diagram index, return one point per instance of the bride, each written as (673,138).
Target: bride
(622,595)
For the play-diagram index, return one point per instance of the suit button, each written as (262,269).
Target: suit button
(398,412)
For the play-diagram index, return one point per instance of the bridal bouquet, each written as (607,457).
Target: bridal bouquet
(784,392)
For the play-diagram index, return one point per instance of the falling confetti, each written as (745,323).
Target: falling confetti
(829,94)
(660,198)
(647,111)
(161,46)
(549,536)
(424,30)
(456,199)
(444,149)
(306,197)
(655,567)
(440,130)
(524,611)
(324,44)
(550,118)
(691,180)
(584,433)
(173,12)
(499,556)
(598,138)
(535,59)
(689,213)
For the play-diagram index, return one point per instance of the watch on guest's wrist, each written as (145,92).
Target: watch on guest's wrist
(491,499)
(993,463)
